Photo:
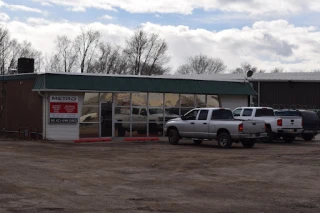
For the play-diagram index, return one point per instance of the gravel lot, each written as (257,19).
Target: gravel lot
(158,177)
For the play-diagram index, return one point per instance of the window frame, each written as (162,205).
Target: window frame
(199,113)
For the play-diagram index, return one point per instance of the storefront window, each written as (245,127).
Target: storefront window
(122,99)
(172,100)
(187,100)
(89,130)
(200,100)
(122,129)
(139,129)
(91,99)
(139,99)
(105,97)
(89,114)
(213,101)
(156,99)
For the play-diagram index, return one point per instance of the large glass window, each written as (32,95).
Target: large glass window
(200,100)
(213,101)
(122,99)
(187,101)
(105,97)
(172,100)
(139,99)
(90,116)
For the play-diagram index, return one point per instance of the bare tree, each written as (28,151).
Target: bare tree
(245,67)
(66,53)
(277,70)
(85,44)
(108,58)
(202,64)
(146,53)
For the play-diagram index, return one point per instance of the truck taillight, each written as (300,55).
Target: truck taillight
(279,122)
(240,128)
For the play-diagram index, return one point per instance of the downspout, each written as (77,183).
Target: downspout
(44,113)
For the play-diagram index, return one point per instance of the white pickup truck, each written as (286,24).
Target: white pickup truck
(214,123)
(287,128)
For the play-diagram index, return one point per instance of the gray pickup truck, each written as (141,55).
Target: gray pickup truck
(214,123)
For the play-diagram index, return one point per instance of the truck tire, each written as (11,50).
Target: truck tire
(224,140)
(121,131)
(307,137)
(248,143)
(270,136)
(173,136)
(288,138)
(197,142)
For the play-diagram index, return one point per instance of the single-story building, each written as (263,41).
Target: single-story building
(71,106)
(278,90)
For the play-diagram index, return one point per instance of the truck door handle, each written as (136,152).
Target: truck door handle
(205,123)
(192,123)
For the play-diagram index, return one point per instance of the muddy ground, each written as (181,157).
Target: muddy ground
(158,177)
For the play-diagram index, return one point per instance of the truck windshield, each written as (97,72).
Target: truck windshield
(264,113)
(221,115)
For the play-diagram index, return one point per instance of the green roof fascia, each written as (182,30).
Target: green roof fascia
(59,82)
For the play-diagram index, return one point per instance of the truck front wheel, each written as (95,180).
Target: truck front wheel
(307,137)
(224,140)
(248,143)
(173,136)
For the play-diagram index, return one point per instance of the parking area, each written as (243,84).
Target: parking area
(158,177)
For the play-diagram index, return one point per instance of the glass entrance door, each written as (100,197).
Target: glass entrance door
(106,119)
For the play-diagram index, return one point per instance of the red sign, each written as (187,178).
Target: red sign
(63,108)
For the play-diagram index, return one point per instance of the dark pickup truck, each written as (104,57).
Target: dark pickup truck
(310,122)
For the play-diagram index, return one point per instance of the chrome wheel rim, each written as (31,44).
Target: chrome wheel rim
(223,141)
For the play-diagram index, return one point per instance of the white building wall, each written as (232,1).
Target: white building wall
(233,101)
(61,131)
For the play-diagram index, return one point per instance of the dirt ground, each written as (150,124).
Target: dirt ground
(158,177)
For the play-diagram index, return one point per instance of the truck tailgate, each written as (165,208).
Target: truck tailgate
(291,122)
(253,127)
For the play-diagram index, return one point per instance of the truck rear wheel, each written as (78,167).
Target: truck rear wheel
(248,143)
(173,136)
(197,142)
(307,137)
(224,140)
(270,136)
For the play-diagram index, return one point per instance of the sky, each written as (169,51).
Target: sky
(267,34)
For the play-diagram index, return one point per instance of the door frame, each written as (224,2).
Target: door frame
(100,118)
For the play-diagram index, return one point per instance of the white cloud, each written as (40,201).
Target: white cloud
(15,7)
(46,4)
(264,44)
(4,17)
(187,7)
(107,17)
(77,9)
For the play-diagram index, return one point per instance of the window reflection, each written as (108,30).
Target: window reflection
(173,111)
(187,100)
(172,100)
(200,100)
(139,129)
(89,114)
(139,99)
(122,114)
(122,99)
(213,101)
(139,114)
(122,130)
(91,99)
(106,97)
(156,99)
(89,130)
